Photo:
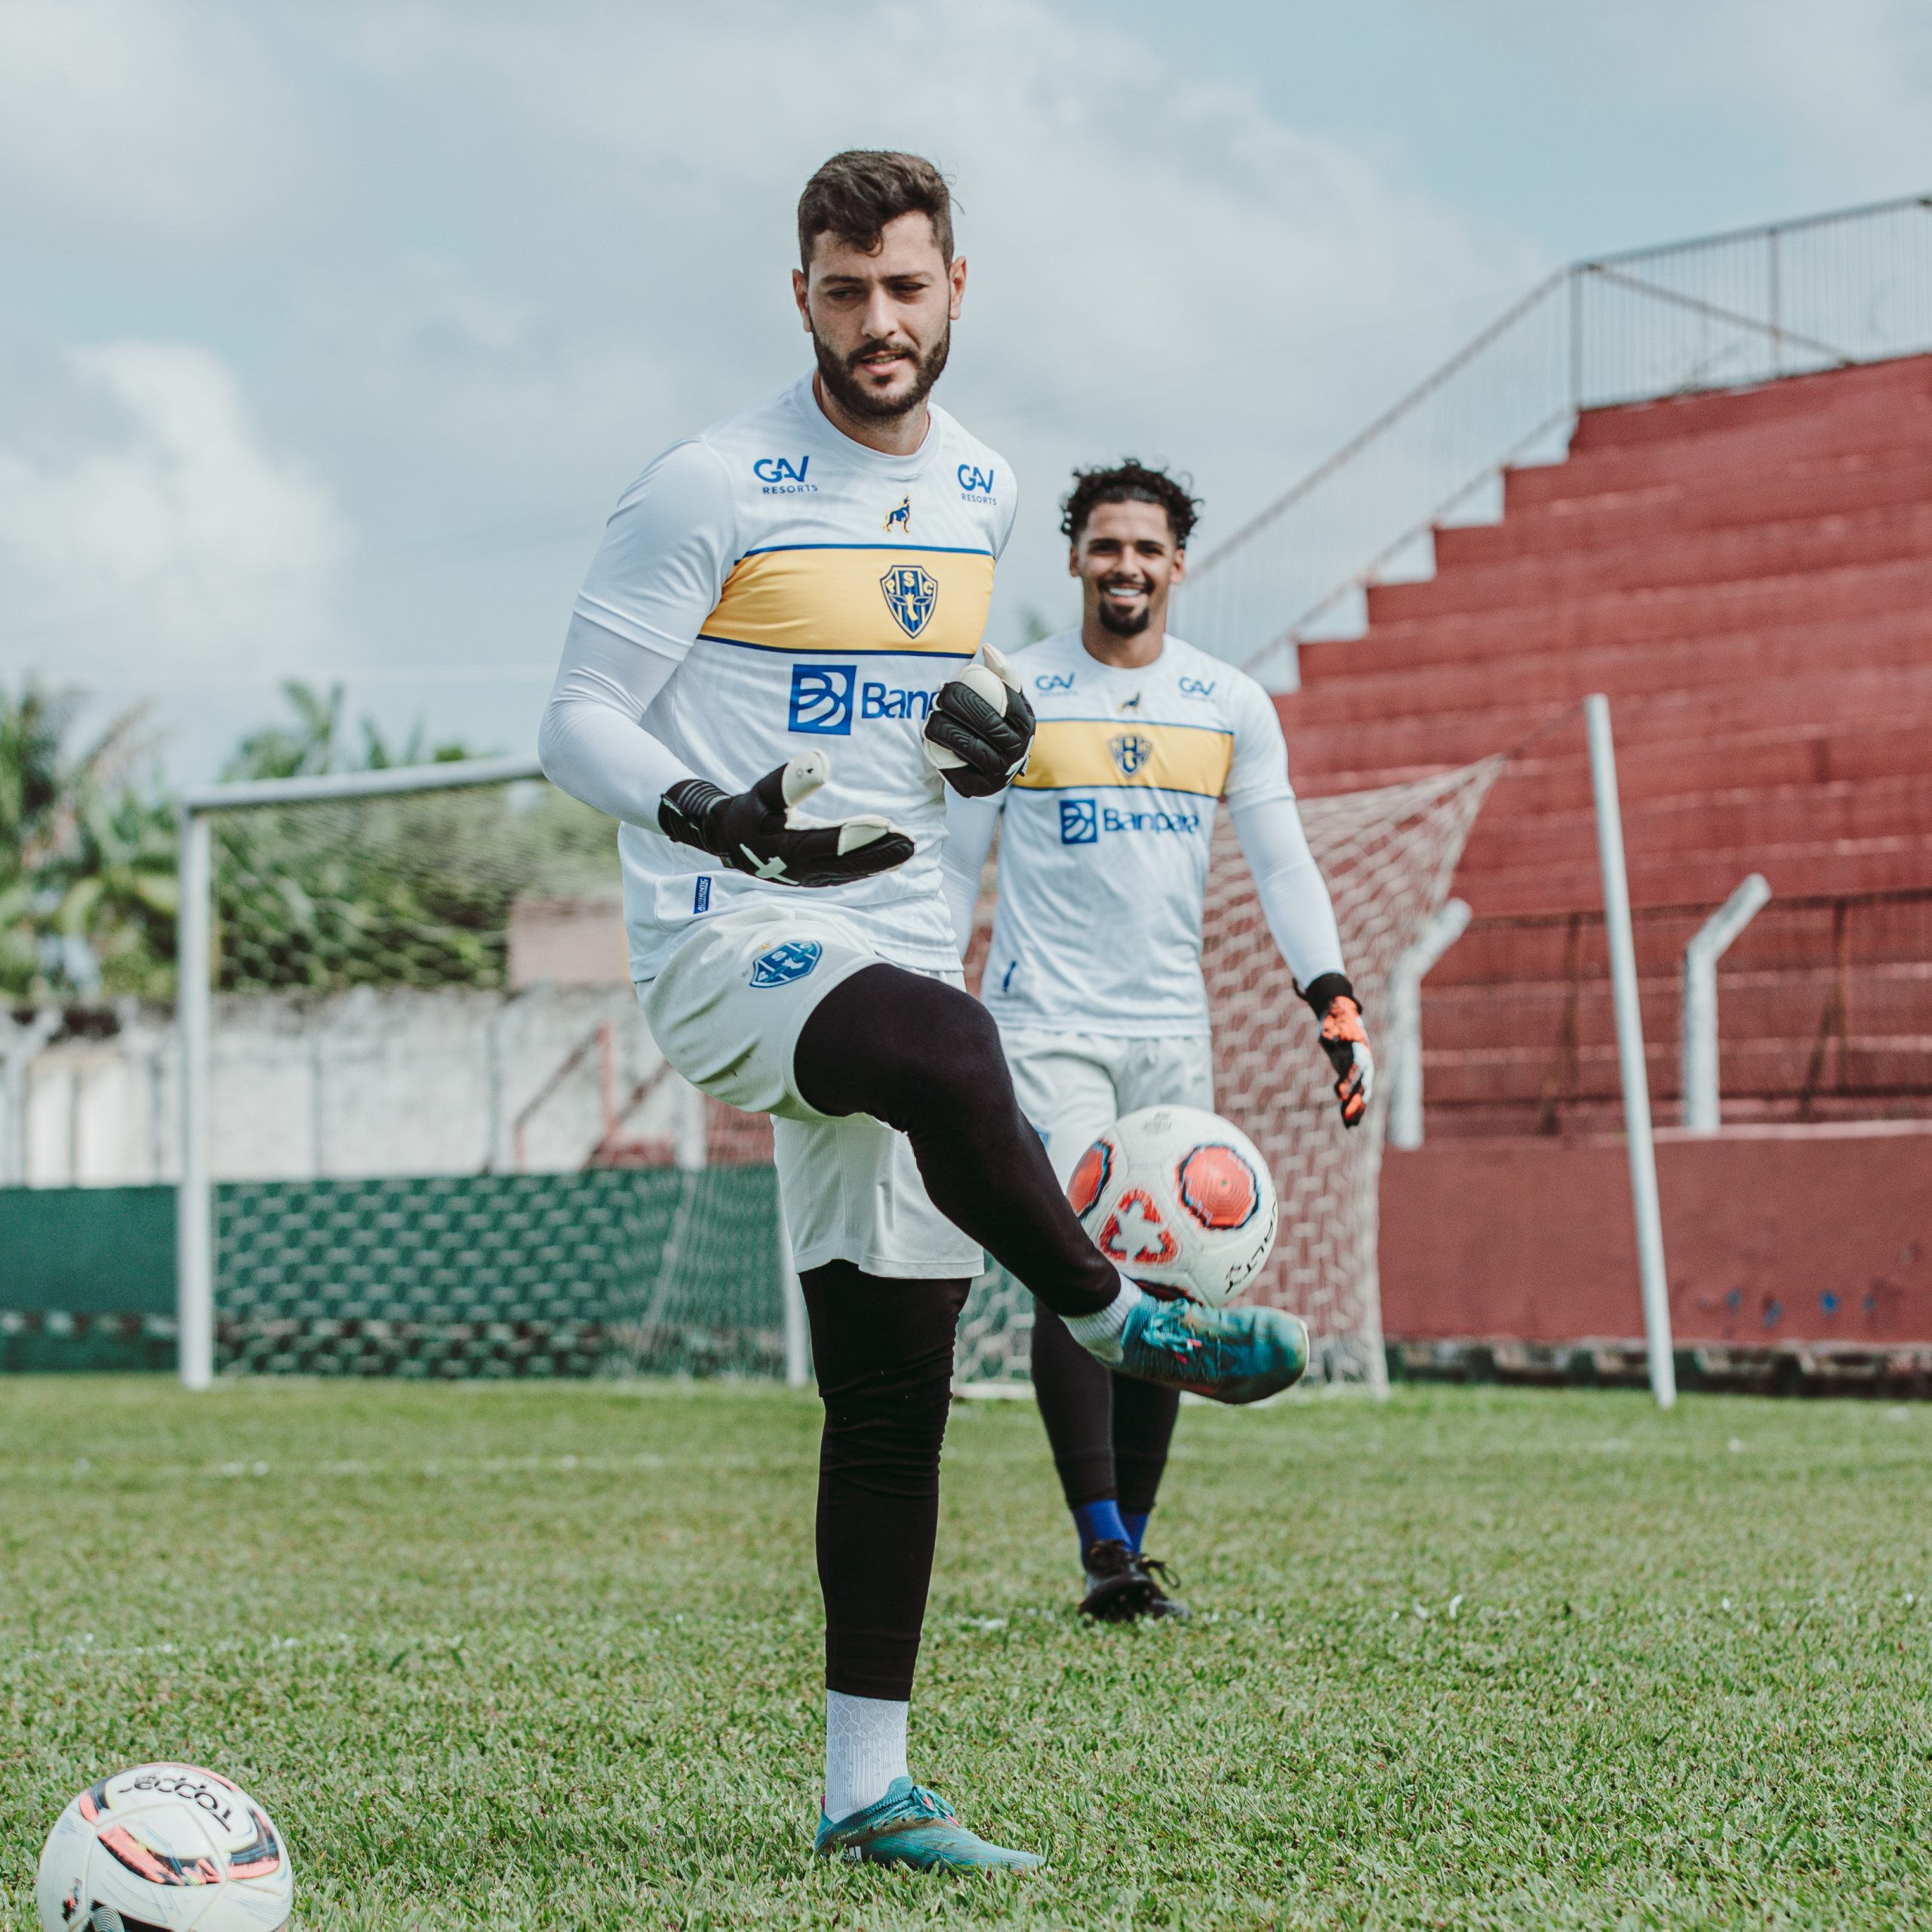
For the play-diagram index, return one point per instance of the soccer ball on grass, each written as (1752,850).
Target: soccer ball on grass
(1180,1200)
(163,1848)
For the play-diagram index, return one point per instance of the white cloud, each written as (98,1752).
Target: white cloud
(139,117)
(168,542)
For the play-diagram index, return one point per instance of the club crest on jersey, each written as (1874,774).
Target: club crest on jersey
(1129,751)
(784,964)
(901,518)
(912,595)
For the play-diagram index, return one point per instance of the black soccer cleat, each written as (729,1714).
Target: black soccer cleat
(1158,1576)
(1118,1588)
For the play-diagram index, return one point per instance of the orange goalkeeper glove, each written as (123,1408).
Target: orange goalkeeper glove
(1345,1040)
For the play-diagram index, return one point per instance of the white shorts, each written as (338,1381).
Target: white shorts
(726,1010)
(1073,1086)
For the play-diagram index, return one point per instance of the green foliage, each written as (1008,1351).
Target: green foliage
(86,863)
(549,1657)
(410,892)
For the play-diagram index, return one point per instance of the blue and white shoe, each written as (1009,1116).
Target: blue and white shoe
(912,1825)
(1233,1354)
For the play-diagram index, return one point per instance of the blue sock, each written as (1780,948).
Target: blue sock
(1099,1522)
(1137,1524)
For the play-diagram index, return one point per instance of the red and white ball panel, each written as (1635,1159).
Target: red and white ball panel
(163,1848)
(1179,1200)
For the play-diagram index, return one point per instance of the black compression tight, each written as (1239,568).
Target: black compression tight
(925,1057)
(883,1351)
(1109,1433)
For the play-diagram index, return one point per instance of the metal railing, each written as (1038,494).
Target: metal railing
(1825,291)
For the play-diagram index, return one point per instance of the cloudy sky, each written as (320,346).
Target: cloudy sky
(330,331)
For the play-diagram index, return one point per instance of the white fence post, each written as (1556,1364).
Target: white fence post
(1655,1283)
(194,1210)
(1450,922)
(1698,1031)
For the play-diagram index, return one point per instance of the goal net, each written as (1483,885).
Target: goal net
(427,1130)
(1388,855)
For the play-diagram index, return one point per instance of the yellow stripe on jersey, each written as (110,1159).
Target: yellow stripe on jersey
(856,599)
(1073,752)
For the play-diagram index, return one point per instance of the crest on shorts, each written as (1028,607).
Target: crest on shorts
(911,596)
(1131,750)
(783,964)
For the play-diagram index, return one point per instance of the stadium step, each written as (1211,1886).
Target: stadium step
(1705,560)
(1807,487)
(1651,613)
(1892,533)
(1334,695)
(1849,700)
(1824,397)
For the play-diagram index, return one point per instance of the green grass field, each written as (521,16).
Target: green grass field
(548,1657)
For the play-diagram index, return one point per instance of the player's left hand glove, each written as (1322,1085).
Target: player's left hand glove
(1345,1040)
(980,728)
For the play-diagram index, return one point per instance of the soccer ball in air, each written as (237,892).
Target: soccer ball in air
(164,1848)
(1178,1199)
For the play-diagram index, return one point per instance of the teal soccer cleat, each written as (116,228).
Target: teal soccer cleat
(1233,1354)
(912,1825)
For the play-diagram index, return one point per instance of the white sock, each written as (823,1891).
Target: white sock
(1099,1334)
(865,1750)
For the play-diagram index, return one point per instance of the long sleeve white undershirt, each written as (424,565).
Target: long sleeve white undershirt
(1294,898)
(592,743)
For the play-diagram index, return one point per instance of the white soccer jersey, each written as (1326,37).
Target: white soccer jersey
(815,593)
(1105,836)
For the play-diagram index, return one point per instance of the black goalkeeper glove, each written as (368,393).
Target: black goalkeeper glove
(1345,1040)
(980,728)
(756,832)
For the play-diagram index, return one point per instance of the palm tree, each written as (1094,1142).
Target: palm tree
(87,864)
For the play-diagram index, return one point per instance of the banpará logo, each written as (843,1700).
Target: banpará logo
(1129,750)
(781,476)
(977,483)
(912,595)
(1079,822)
(783,964)
(1197,688)
(901,518)
(1054,680)
(883,701)
(822,699)
(1183,822)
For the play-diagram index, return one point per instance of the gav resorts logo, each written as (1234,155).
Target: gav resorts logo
(911,596)
(1054,680)
(781,476)
(1197,688)
(901,518)
(784,964)
(1131,751)
(1079,822)
(822,699)
(976,485)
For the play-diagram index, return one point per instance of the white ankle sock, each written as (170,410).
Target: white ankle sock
(1099,1334)
(865,1750)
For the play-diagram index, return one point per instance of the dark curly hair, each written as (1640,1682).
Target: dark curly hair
(1129,481)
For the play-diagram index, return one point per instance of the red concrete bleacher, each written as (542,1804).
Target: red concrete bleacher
(1748,574)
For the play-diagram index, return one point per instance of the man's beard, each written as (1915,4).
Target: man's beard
(1126,623)
(838,373)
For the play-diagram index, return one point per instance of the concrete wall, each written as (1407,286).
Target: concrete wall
(365,1083)
(1771,1235)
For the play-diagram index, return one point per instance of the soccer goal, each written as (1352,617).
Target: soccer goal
(425,1130)
(1388,855)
